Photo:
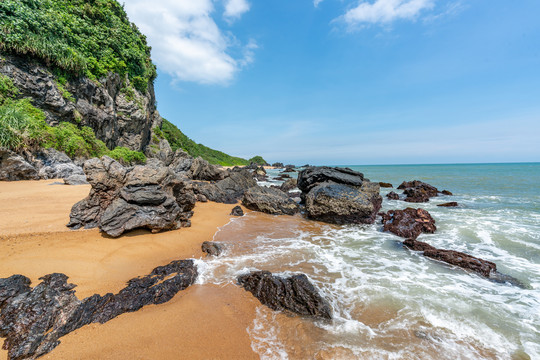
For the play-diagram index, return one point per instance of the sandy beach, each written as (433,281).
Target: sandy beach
(204,321)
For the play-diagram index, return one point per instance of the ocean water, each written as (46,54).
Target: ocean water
(393,303)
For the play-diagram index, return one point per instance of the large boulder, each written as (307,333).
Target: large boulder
(342,204)
(14,167)
(229,190)
(312,176)
(212,248)
(270,201)
(203,170)
(408,223)
(54,164)
(34,319)
(181,162)
(295,294)
(123,199)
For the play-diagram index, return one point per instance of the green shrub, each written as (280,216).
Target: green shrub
(65,94)
(126,156)
(258,160)
(21,125)
(79,37)
(7,89)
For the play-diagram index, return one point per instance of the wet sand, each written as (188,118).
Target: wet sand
(201,322)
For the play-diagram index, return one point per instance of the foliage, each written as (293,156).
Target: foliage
(126,156)
(65,94)
(7,89)
(22,126)
(177,140)
(258,160)
(78,37)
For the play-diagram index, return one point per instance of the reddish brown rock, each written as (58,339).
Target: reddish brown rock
(392,196)
(385,185)
(449,204)
(408,223)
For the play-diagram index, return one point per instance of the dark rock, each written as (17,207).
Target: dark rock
(343,204)
(468,262)
(212,248)
(418,191)
(123,199)
(237,211)
(33,320)
(283,177)
(270,201)
(229,190)
(288,185)
(14,167)
(290,166)
(392,196)
(289,169)
(311,177)
(54,164)
(213,193)
(446,192)
(76,180)
(408,223)
(385,185)
(201,198)
(277,165)
(116,118)
(203,170)
(449,204)
(295,294)
(181,162)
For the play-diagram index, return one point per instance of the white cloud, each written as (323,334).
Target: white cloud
(235,8)
(317,2)
(386,11)
(186,41)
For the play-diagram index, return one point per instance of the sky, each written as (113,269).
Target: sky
(354,82)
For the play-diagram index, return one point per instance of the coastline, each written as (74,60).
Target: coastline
(34,242)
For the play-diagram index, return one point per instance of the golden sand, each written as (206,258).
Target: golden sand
(200,322)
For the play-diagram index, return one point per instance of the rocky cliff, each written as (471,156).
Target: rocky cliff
(119,114)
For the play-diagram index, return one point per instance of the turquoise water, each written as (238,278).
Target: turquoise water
(392,303)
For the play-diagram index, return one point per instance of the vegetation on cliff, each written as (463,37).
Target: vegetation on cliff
(258,160)
(77,37)
(178,140)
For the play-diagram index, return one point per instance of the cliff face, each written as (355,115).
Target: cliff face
(118,113)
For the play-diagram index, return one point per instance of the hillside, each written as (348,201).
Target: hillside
(88,74)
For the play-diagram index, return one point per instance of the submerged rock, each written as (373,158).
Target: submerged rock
(295,293)
(34,319)
(123,199)
(418,191)
(392,196)
(408,223)
(385,185)
(270,201)
(449,204)
(237,211)
(477,265)
(446,192)
(212,248)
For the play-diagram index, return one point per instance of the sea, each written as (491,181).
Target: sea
(392,303)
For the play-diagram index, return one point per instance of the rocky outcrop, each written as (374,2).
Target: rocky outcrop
(417,191)
(385,185)
(392,196)
(295,294)
(229,190)
(288,185)
(118,116)
(449,204)
(237,211)
(260,174)
(212,248)
(14,167)
(446,192)
(277,165)
(203,170)
(468,262)
(34,319)
(408,223)
(339,195)
(270,201)
(123,199)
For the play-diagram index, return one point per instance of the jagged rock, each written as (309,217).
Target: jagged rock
(201,198)
(14,167)
(165,153)
(123,199)
(34,319)
(229,190)
(76,180)
(392,196)
(283,177)
(479,266)
(343,204)
(289,169)
(277,165)
(446,192)
(295,294)
(203,170)
(385,185)
(408,223)
(449,204)
(418,191)
(237,211)
(181,162)
(288,185)
(115,119)
(259,171)
(212,248)
(54,164)
(311,177)
(270,201)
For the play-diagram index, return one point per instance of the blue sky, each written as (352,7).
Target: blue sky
(348,81)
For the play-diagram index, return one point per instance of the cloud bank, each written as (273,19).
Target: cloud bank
(386,11)
(186,41)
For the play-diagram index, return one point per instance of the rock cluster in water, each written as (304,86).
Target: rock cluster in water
(408,223)
(417,191)
(339,195)
(295,294)
(34,319)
